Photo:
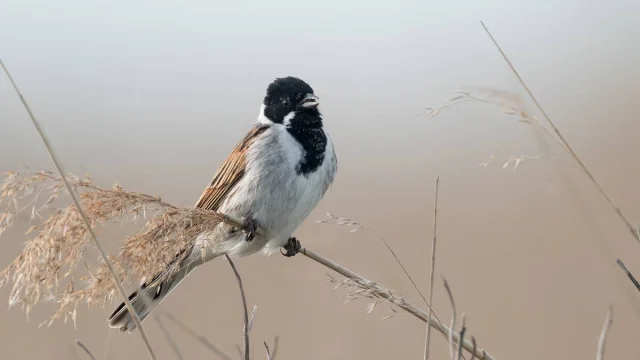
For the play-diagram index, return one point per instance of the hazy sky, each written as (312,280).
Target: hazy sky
(155,94)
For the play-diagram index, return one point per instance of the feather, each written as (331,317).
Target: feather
(231,171)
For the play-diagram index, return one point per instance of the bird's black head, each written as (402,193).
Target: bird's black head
(291,102)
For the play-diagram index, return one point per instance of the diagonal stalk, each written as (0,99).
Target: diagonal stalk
(83,215)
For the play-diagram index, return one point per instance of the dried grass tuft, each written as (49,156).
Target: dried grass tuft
(359,289)
(509,103)
(61,241)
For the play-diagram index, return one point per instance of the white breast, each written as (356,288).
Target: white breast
(273,193)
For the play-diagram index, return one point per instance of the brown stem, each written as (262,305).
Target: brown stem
(247,356)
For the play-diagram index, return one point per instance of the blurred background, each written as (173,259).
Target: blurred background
(154,94)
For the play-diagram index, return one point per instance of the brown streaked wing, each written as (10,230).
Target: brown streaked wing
(230,173)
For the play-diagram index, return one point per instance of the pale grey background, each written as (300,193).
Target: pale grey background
(154,94)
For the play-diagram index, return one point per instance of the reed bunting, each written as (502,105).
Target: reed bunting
(274,178)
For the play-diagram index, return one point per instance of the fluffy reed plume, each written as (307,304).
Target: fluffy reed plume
(61,242)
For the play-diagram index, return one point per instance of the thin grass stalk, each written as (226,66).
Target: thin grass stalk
(83,215)
(427,339)
(357,226)
(266,348)
(276,346)
(603,335)
(415,286)
(85,349)
(169,338)
(198,337)
(247,355)
(473,353)
(452,326)
(463,331)
(629,274)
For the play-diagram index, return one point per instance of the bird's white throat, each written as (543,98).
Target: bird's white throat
(263,119)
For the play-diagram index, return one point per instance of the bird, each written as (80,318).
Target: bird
(274,177)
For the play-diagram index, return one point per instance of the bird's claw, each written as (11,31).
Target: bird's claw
(250,231)
(292,247)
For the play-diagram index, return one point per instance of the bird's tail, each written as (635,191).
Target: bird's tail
(147,297)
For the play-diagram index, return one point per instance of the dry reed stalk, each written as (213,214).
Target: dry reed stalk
(169,338)
(271,354)
(603,335)
(198,337)
(85,349)
(635,232)
(79,211)
(247,327)
(473,353)
(629,274)
(266,348)
(427,339)
(452,325)
(463,331)
(455,352)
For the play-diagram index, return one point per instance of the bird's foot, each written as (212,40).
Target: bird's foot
(252,227)
(292,247)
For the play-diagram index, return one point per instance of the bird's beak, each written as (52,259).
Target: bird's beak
(310,101)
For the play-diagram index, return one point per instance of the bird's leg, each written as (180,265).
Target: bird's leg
(292,247)
(252,226)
